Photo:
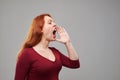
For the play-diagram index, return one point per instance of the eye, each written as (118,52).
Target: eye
(49,22)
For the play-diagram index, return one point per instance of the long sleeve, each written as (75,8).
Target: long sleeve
(67,62)
(22,66)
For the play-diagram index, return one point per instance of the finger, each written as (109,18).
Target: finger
(64,29)
(65,32)
(59,29)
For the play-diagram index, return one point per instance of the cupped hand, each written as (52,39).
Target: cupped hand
(63,35)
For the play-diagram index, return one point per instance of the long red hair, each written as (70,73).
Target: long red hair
(35,33)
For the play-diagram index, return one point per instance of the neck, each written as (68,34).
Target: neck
(43,44)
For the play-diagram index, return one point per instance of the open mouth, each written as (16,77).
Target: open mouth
(54,32)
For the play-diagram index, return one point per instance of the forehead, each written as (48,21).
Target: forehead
(47,18)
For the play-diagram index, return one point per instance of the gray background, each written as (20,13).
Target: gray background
(93,25)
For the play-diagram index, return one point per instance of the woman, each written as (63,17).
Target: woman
(36,60)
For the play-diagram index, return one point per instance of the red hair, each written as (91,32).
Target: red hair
(35,32)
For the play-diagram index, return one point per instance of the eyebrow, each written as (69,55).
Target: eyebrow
(50,20)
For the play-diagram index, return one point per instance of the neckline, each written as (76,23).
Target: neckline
(45,57)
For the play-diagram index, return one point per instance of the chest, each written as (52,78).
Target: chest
(42,65)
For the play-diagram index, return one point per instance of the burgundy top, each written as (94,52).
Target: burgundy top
(33,66)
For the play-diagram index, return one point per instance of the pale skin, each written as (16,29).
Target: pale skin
(42,47)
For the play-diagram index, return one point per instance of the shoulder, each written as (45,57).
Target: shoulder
(26,53)
(25,57)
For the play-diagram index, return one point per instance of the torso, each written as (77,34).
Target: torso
(40,67)
(47,69)
(48,54)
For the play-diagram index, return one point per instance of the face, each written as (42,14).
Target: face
(49,29)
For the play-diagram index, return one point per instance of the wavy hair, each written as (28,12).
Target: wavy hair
(34,34)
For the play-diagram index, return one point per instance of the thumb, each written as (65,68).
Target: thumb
(58,40)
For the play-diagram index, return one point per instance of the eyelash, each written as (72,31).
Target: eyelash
(49,23)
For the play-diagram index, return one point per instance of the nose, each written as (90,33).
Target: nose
(54,24)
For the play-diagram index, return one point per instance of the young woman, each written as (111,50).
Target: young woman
(36,60)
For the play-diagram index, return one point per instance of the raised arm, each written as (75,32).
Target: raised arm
(64,38)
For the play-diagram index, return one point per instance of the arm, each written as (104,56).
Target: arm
(22,66)
(64,38)
(71,51)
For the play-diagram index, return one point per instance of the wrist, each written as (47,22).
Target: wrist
(67,43)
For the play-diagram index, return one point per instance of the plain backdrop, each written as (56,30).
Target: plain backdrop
(93,26)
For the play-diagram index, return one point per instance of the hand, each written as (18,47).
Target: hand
(64,37)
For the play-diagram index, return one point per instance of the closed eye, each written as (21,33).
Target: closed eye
(50,21)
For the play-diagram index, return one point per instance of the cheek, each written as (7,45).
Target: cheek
(47,29)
